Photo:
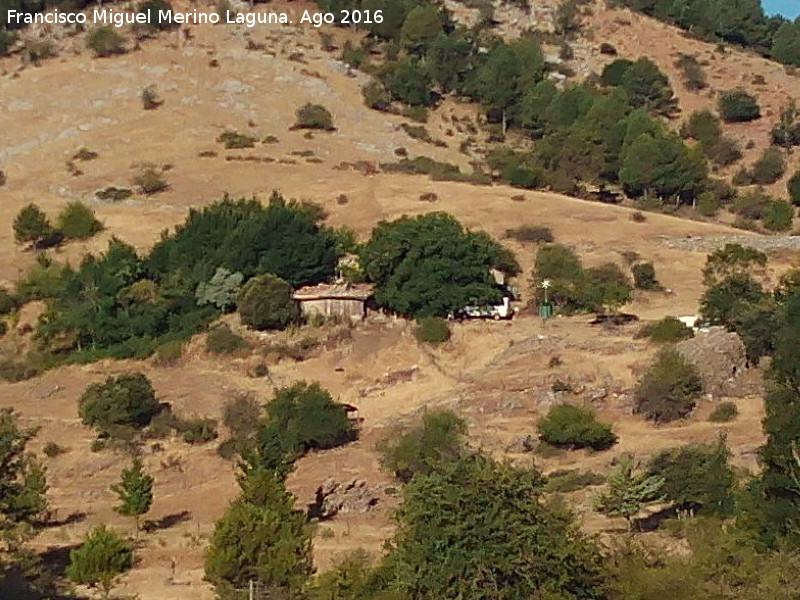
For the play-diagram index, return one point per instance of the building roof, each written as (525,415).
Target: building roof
(335,291)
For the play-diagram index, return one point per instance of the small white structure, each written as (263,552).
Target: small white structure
(690,321)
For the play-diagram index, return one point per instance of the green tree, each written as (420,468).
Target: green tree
(567,17)
(126,400)
(314,116)
(696,477)
(648,87)
(644,277)
(104,42)
(575,427)
(424,447)
(607,287)
(628,492)
(769,167)
(703,126)
(793,186)
(738,106)
(135,492)
(408,81)
(421,26)
(779,216)
(725,301)
(265,302)
(488,534)
(669,389)
(77,221)
(613,72)
(429,266)
(732,259)
(786,44)
(450,59)
(260,538)
(31,225)
(221,290)
(101,559)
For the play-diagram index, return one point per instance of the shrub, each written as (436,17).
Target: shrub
(31,225)
(724,152)
(100,560)
(376,96)
(570,480)
(638,216)
(778,216)
(169,353)
(7,40)
(769,168)
(644,277)
(221,340)
(737,106)
(150,98)
(668,329)
(612,73)
(113,194)
(200,431)
(77,221)
(52,449)
(425,447)
(724,412)
(571,426)
(703,126)
(608,49)
(669,390)
(793,187)
(37,51)
(235,140)
(265,302)
(432,330)
(124,400)
(692,71)
(240,416)
(314,116)
(104,41)
(530,233)
(149,180)
(8,303)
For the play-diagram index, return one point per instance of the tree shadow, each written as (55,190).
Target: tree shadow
(48,582)
(654,521)
(166,521)
(76,517)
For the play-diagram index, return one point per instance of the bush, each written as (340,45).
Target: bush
(149,180)
(644,277)
(235,140)
(8,303)
(432,330)
(769,168)
(51,449)
(104,41)
(570,480)
(314,116)
(425,447)
(668,329)
(265,302)
(169,353)
(31,225)
(240,416)
(571,426)
(693,75)
(100,560)
(113,194)
(737,106)
(77,221)
(124,400)
(530,233)
(150,98)
(778,216)
(376,96)
(669,390)
(724,413)
(200,431)
(612,73)
(37,51)
(793,187)
(221,340)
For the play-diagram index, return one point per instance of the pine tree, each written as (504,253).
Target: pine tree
(135,491)
(31,225)
(100,560)
(628,492)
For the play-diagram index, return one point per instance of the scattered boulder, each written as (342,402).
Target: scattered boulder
(720,357)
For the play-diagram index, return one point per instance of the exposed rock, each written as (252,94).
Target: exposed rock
(334,497)
(720,358)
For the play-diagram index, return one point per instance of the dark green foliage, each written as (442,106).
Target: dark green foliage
(693,75)
(135,491)
(154,23)
(222,340)
(244,236)
(422,24)
(221,290)
(124,400)
(314,116)
(613,72)
(105,41)
(7,39)
(769,167)
(101,559)
(793,186)
(429,266)
(300,418)
(425,447)
(52,449)
(724,412)
(530,233)
(234,139)
(668,329)
(241,417)
(725,301)
(778,216)
(22,477)
(704,127)
(628,490)
(260,538)
(786,43)
(669,389)
(8,302)
(450,59)
(31,225)
(644,277)
(488,526)
(786,132)
(647,87)
(200,431)
(571,426)
(738,106)
(733,259)
(432,330)
(77,221)
(566,481)
(408,81)
(567,17)
(696,477)
(265,302)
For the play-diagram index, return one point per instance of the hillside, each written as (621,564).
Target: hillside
(498,375)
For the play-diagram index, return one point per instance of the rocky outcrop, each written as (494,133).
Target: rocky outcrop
(719,356)
(334,497)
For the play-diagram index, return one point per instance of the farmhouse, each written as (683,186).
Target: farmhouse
(335,299)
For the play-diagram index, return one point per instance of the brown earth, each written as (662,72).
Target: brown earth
(496,374)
